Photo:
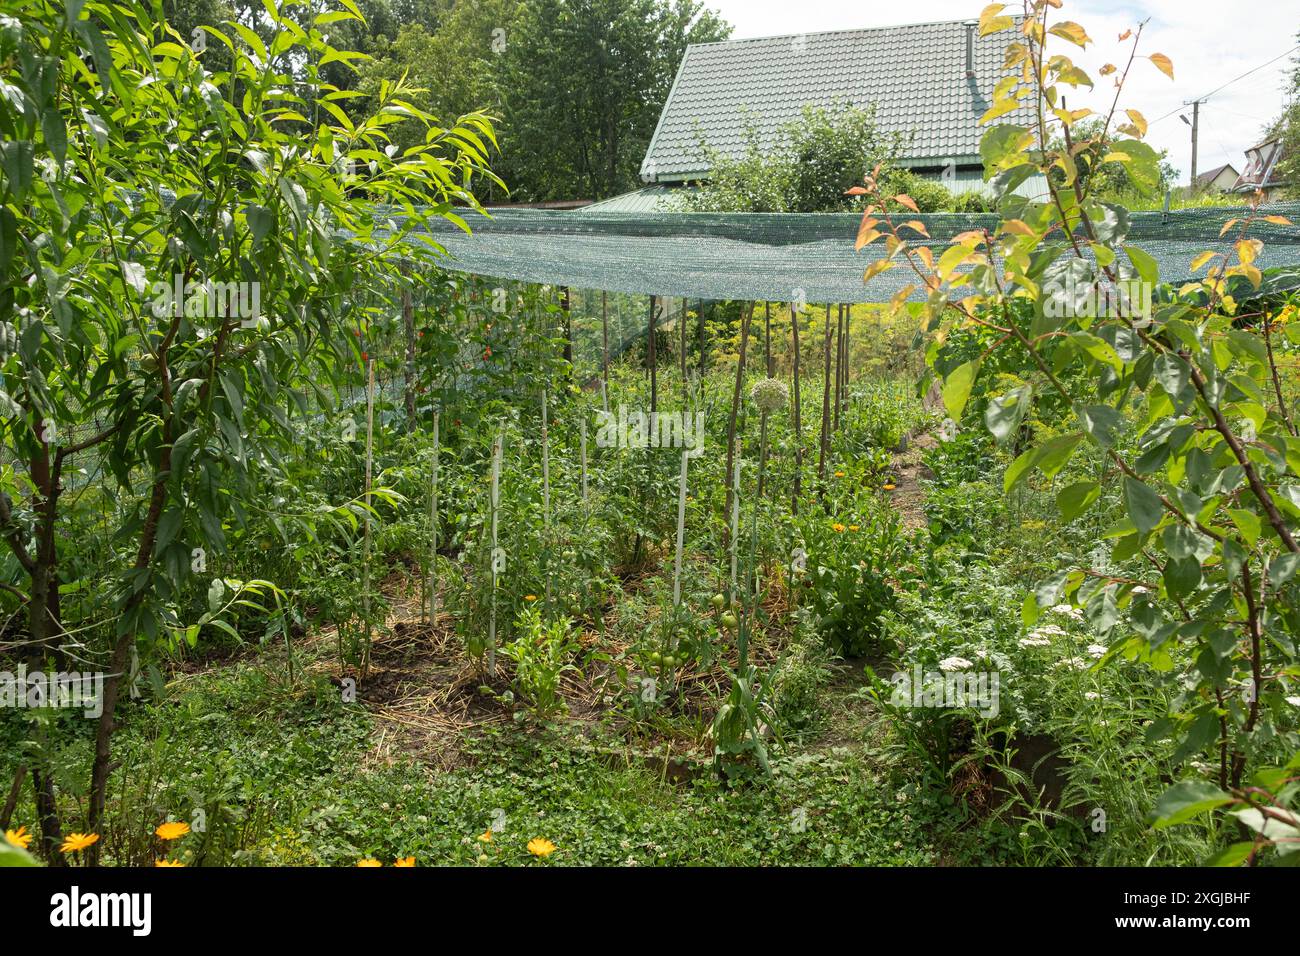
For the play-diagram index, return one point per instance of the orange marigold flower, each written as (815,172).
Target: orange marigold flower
(168,863)
(838,527)
(172,831)
(19,838)
(539,846)
(485,836)
(404,861)
(78,841)
(369,862)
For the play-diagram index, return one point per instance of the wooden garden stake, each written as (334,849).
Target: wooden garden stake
(735,398)
(826,408)
(798,424)
(583,444)
(839,364)
(433,525)
(604,339)
(365,555)
(546,489)
(653,361)
(735,521)
(681,531)
(494,499)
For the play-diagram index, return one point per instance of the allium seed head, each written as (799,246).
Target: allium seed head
(770,394)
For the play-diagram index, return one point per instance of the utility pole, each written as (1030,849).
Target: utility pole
(1194,123)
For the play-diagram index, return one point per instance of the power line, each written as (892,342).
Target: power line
(1202,99)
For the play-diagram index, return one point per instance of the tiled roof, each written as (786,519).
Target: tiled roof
(915,75)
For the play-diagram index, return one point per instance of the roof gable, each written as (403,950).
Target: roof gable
(915,75)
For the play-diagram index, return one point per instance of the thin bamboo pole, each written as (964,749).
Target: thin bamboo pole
(583,443)
(839,364)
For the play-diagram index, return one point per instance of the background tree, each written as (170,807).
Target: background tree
(809,166)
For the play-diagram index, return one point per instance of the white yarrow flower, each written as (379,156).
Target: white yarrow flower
(949,664)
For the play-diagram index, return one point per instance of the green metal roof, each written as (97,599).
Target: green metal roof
(915,75)
(655,198)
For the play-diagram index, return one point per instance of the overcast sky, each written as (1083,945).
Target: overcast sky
(1209,43)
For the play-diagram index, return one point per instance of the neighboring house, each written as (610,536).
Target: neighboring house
(1218,180)
(1261,171)
(929,82)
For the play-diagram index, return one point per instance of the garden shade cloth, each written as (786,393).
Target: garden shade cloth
(777,257)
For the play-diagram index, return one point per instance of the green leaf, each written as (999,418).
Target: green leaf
(1141,162)
(11,855)
(1144,505)
(1234,855)
(1148,269)
(1185,800)
(956,388)
(1075,499)
(1003,147)
(1005,412)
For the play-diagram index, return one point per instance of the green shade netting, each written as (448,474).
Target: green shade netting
(776,257)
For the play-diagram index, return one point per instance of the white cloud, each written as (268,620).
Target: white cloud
(1209,43)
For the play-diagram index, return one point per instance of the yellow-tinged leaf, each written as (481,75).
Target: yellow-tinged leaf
(990,22)
(877,267)
(952,258)
(900,297)
(1250,272)
(1277,220)
(1248,250)
(1069,30)
(926,256)
(1228,225)
(1018,227)
(1163,64)
(1202,259)
(971,237)
(1139,121)
(906,201)
(1106,70)
(916,226)
(1000,108)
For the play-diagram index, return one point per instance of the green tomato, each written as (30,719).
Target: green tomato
(729,621)
(719,601)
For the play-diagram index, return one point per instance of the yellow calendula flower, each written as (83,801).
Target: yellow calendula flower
(404,861)
(839,474)
(538,846)
(888,486)
(853,527)
(19,838)
(368,862)
(530,597)
(168,863)
(78,841)
(172,831)
(837,527)
(485,836)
